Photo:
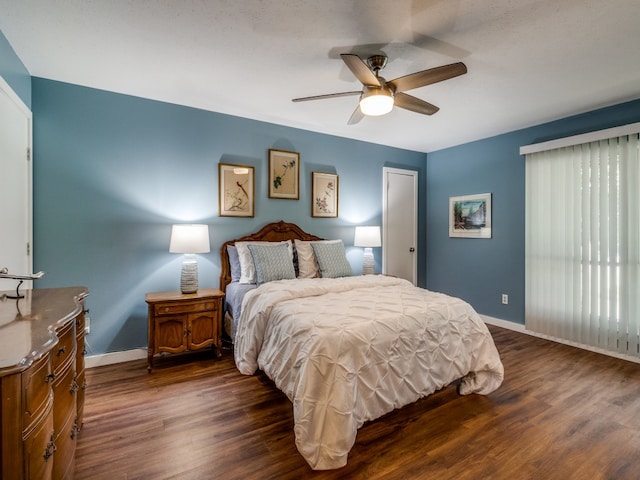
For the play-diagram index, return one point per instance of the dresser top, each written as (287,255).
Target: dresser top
(27,325)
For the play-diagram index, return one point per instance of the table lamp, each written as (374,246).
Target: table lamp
(189,239)
(367,237)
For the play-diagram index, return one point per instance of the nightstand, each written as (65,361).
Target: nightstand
(184,322)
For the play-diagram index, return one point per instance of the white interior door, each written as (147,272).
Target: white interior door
(400,223)
(15,186)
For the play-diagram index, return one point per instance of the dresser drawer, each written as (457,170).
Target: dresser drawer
(65,389)
(65,348)
(82,386)
(80,323)
(168,309)
(36,391)
(80,352)
(64,458)
(39,450)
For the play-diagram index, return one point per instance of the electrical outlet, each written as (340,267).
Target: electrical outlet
(87,325)
(505,299)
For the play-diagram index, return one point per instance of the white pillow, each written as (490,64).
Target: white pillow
(247,267)
(307,264)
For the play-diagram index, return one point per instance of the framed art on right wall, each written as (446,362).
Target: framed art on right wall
(324,195)
(470,216)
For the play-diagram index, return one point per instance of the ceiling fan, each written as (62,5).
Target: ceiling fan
(378,95)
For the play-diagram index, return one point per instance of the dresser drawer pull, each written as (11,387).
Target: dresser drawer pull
(50,377)
(74,387)
(61,350)
(50,450)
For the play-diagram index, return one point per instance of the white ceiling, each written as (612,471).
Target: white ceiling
(529,61)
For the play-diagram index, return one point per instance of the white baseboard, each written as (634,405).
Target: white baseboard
(503,323)
(517,327)
(115,357)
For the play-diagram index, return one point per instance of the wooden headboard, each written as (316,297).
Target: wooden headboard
(272,232)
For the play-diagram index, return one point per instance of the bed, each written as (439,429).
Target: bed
(349,349)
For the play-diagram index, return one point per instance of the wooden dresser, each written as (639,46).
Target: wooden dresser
(41,382)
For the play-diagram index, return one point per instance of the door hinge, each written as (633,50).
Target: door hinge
(28,248)
(28,154)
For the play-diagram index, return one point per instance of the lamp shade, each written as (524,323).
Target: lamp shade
(189,238)
(367,237)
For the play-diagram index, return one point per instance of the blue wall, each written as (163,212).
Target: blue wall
(113,172)
(14,72)
(480,270)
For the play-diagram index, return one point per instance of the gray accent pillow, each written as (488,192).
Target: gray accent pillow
(332,259)
(272,262)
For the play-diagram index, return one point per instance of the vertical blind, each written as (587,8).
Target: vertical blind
(582,244)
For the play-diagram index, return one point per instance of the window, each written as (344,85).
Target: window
(583,243)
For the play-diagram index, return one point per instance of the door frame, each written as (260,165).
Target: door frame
(386,171)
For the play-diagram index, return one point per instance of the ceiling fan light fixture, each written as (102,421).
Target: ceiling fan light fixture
(378,97)
(376,101)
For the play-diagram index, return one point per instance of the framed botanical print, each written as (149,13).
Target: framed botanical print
(324,197)
(235,190)
(284,174)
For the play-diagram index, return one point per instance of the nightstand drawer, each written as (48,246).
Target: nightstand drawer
(186,307)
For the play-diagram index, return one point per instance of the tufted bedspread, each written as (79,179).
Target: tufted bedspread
(349,350)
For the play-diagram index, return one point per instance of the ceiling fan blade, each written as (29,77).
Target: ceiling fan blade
(356,116)
(360,69)
(427,77)
(414,104)
(328,95)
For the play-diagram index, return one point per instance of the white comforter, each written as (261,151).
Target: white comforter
(349,350)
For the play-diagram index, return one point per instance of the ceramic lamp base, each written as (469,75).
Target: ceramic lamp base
(368,264)
(189,276)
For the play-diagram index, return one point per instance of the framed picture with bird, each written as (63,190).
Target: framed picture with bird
(235,190)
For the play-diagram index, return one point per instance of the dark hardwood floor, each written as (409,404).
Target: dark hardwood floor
(561,413)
